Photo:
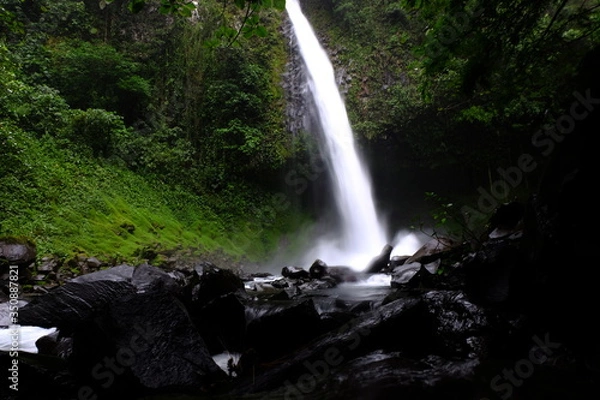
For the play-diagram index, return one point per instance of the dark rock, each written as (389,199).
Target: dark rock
(383,327)
(36,380)
(258,275)
(327,282)
(433,250)
(361,307)
(422,279)
(211,282)
(67,306)
(381,375)
(289,293)
(397,261)
(283,329)
(142,277)
(457,324)
(15,251)
(280,283)
(341,274)
(318,269)
(93,262)
(294,273)
(506,220)
(495,274)
(151,341)
(401,275)
(247,363)
(120,273)
(179,277)
(145,276)
(411,346)
(213,302)
(332,321)
(381,262)
(48,264)
(221,323)
(55,345)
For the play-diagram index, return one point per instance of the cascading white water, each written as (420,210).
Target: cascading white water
(362,235)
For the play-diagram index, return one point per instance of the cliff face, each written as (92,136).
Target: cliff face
(439,106)
(294,84)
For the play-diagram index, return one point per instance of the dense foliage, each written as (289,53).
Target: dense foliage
(127,131)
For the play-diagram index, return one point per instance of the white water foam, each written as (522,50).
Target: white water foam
(22,338)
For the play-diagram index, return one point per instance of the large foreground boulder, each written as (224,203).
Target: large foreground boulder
(127,332)
(72,304)
(143,342)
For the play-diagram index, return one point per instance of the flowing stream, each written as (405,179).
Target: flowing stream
(362,235)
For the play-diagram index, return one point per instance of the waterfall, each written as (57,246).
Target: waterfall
(362,235)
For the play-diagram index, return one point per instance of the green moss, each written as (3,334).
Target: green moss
(9,239)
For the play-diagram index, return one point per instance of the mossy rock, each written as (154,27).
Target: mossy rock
(17,251)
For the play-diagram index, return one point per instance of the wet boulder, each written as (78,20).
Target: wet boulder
(434,249)
(222,323)
(334,274)
(423,279)
(289,293)
(416,346)
(460,326)
(383,327)
(318,269)
(381,375)
(282,329)
(292,272)
(402,274)
(80,299)
(143,342)
(119,273)
(214,303)
(68,306)
(381,262)
(326,282)
(16,251)
(397,261)
(341,274)
(145,276)
(210,282)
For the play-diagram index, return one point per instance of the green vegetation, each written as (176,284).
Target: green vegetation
(80,204)
(127,136)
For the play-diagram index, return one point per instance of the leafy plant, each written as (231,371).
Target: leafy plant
(96,75)
(96,129)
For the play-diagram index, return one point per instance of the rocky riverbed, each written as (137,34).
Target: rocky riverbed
(492,320)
